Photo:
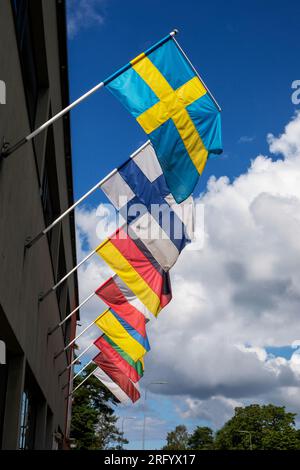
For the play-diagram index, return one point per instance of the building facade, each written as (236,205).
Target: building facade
(35,187)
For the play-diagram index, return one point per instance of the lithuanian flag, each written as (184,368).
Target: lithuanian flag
(133,370)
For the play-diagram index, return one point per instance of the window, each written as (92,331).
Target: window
(27,426)
(51,208)
(68,325)
(3,388)
(61,291)
(50,192)
(49,429)
(25,43)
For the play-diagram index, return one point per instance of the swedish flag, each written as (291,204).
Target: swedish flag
(162,91)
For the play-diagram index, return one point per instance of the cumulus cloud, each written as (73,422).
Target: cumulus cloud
(82,14)
(236,296)
(215,410)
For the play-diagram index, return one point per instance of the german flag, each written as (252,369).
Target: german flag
(138,269)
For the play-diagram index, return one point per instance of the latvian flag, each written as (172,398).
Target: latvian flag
(115,380)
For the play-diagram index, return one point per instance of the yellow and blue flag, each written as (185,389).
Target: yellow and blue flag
(123,334)
(162,90)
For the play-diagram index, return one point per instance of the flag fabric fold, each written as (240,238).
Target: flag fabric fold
(138,269)
(126,337)
(152,191)
(164,94)
(112,386)
(110,293)
(119,378)
(139,191)
(132,369)
(117,295)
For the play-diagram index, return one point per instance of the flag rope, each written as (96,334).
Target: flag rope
(196,72)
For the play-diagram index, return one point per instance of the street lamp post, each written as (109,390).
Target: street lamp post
(146,390)
(123,419)
(122,425)
(250,438)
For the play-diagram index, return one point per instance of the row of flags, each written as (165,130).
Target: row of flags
(152,192)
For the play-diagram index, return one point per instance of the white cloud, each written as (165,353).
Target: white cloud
(215,410)
(82,14)
(235,297)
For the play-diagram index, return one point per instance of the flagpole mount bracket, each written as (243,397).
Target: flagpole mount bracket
(28,241)
(4,149)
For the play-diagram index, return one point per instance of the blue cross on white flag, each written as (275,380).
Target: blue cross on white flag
(139,191)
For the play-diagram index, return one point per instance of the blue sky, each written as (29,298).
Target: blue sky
(245,51)
(247,54)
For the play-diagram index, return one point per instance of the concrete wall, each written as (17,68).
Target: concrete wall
(24,274)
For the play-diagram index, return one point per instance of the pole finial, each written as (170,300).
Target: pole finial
(174,32)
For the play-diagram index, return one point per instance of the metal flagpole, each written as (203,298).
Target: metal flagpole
(8,150)
(32,241)
(76,359)
(70,315)
(81,370)
(81,383)
(52,225)
(78,373)
(78,336)
(201,80)
(53,288)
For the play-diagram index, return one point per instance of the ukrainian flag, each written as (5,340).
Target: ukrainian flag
(162,91)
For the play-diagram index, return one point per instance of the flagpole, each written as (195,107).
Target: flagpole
(42,296)
(83,368)
(8,150)
(50,332)
(32,241)
(76,359)
(53,288)
(81,383)
(200,78)
(73,341)
(70,209)
(78,336)
(78,373)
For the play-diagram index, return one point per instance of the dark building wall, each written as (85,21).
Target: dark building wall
(35,186)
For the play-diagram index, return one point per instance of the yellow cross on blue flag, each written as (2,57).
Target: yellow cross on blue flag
(162,90)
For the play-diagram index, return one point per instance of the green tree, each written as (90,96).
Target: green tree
(177,439)
(93,424)
(201,439)
(271,428)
